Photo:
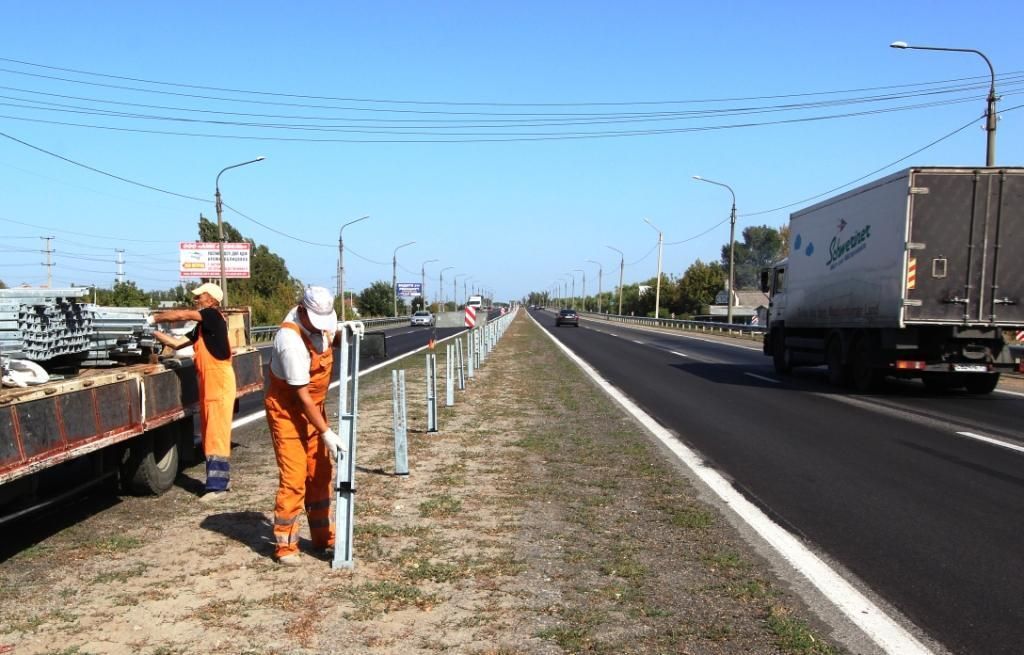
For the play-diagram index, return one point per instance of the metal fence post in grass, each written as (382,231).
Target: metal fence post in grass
(400,422)
(431,392)
(469,354)
(461,364)
(345,467)
(449,377)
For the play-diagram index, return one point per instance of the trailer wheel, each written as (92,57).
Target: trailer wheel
(151,463)
(981,383)
(838,373)
(780,356)
(864,376)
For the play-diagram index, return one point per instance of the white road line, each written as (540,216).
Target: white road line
(890,636)
(761,377)
(639,342)
(680,354)
(995,442)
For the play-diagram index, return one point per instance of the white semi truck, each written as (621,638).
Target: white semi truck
(918,274)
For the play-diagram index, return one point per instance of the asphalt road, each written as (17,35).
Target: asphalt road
(930,520)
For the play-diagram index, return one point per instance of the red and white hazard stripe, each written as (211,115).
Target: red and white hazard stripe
(912,273)
(470,317)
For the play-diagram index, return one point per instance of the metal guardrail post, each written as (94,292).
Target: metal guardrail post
(460,362)
(400,422)
(345,467)
(431,392)
(469,354)
(449,377)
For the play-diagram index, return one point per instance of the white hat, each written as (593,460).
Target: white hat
(319,304)
(210,288)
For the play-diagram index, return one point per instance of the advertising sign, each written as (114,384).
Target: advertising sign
(201,259)
(409,290)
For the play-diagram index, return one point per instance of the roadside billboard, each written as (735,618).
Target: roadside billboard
(409,290)
(202,259)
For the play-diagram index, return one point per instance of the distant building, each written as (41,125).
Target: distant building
(748,306)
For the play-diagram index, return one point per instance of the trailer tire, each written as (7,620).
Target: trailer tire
(838,372)
(865,377)
(151,464)
(780,356)
(981,383)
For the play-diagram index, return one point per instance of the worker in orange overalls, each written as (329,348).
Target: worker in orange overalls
(216,379)
(305,445)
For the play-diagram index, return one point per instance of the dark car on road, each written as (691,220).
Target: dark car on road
(567,317)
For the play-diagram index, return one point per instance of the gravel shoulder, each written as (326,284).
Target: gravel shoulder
(540,519)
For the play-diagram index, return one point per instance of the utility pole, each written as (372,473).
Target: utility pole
(48,263)
(120,265)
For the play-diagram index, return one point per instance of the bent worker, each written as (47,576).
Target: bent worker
(216,379)
(304,444)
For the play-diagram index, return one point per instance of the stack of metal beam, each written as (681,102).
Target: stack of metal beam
(41,324)
(118,332)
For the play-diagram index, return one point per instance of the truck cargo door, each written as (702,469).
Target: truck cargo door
(963,264)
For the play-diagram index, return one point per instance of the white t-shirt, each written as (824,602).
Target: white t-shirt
(289,359)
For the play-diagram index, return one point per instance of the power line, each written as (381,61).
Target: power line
(444,103)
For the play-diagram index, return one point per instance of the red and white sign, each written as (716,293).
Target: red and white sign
(202,259)
(470,317)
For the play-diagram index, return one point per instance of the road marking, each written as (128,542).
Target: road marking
(639,342)
(676,353)
(890,636)
(995,442)
(761,377)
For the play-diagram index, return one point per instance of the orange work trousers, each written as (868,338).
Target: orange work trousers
(217,389)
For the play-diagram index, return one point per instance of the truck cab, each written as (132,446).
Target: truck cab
(773,284)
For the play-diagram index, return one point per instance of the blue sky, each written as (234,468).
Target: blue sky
(508,210)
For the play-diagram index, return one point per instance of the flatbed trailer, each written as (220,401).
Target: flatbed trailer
(132,425)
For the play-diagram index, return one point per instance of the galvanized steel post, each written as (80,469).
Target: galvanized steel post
(461,364)
(431,392)
(345,468)
(469,354)
(449,378)
(400,422)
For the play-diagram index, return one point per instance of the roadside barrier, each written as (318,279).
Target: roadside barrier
(265,333)
(431,392)
(345,467)
(741,329)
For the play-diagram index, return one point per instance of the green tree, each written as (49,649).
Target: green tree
(697,287)
(123,294)
(270,290)
(375,300)
(761,247)
(2,285)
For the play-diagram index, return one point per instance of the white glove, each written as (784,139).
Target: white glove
(333,443)
(150,320)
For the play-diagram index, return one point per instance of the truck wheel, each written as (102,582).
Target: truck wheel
(863,375)
(780,357)
(151,464)
(838,373)
(981,383)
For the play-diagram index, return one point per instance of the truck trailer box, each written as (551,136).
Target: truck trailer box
(934,245)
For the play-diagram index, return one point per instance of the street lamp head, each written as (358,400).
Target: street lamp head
(697,177)
(902,45)
(260,158)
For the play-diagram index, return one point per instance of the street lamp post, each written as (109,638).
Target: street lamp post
(583,290)
(622,266)
(440,288)
(341,262)
(423,280)
(732,243)
(657,283)
(220,223)
(455,289)
(394,277)
(990,110)
(600,273)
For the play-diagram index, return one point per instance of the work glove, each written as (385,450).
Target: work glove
(333,443)
(150,320)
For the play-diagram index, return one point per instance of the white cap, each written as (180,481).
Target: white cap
(210,288)
(319,304)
